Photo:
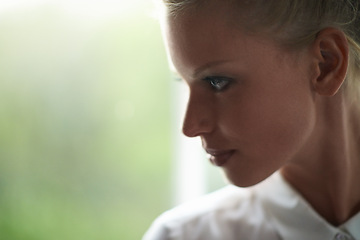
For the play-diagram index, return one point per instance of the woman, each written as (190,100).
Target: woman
(274,97)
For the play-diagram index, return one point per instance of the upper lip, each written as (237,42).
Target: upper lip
(217,152)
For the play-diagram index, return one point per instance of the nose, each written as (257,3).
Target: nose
(199,117)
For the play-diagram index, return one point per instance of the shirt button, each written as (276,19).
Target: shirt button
(341,236)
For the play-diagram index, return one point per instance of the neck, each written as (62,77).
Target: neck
(327,170)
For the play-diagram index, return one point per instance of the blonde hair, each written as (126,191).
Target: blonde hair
(295,23)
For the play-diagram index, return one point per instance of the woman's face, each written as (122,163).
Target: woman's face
(250,101)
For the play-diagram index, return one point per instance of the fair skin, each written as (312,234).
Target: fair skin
(258,108)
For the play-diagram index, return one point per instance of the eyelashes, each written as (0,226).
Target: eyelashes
(176,77)
(215,83)
(218,83)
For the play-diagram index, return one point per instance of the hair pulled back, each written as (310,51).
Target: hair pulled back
(294,23)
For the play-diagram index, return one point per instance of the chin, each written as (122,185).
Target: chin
(245,180)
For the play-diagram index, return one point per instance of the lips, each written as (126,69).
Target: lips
(219,157)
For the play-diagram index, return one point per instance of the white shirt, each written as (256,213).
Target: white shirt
(271,210)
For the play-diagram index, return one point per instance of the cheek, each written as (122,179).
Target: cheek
(273,122)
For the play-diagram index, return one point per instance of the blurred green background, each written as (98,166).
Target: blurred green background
(84,120)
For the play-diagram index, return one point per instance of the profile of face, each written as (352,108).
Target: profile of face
(250,100)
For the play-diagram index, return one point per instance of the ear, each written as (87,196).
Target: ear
(331,51)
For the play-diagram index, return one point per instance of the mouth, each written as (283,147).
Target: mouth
(219,157)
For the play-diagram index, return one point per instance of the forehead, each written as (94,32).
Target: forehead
(201,37)
(202,34)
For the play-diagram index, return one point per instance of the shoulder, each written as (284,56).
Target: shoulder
(228,213)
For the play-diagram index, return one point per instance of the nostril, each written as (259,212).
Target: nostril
(189,132)
(196,128)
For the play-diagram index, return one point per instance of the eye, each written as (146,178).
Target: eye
(218,83)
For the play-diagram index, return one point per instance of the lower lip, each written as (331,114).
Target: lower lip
(221,159)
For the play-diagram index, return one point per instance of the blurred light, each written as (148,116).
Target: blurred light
(96,8)
(124,110)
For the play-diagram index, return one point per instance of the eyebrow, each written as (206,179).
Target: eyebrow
(201,69)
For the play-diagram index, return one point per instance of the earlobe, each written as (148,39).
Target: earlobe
(330,49)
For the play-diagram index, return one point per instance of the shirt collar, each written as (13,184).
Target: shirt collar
(295,219)
(352,226)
